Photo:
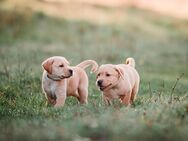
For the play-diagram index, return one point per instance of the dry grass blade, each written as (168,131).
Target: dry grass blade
(161,91)
(150,91)
(5,71)
(173,88)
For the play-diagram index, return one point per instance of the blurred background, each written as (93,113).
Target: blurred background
(154,32)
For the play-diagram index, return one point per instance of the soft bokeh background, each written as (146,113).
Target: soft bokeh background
(154,32)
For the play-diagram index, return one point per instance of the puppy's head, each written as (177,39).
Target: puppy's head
(108,76)
(57,67)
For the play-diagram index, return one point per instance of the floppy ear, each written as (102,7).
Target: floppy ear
(47,65)
(120,72)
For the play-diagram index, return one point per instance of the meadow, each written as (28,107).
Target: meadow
(159,45)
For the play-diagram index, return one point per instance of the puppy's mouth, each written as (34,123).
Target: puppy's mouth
(102,88)
(63,77)
(58,78)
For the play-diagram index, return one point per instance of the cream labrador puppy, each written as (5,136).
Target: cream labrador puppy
(60,80)
(119,81)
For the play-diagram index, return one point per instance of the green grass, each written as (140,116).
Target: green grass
(159,45)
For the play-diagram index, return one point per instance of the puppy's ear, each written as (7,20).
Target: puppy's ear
(67,62)
(120,72)
(47,65)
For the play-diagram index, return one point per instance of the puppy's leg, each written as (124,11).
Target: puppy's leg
(83,95)
(134,92)
(107,101)
(61,96)
(51,100)
(127,97)
(83,89)
(60,100)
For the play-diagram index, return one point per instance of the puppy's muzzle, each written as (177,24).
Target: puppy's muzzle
(99,83)
(71,72)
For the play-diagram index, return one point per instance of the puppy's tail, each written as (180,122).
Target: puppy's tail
(87,63)
(130,61)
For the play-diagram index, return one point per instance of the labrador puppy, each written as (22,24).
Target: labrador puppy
(118,81)
(60,80)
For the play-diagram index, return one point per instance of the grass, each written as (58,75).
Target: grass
(159,45)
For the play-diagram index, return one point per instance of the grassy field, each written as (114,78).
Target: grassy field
(158,44)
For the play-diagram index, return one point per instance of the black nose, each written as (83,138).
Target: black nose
(71,72)
(99,82)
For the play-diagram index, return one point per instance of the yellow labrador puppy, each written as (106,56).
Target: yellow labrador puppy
(119,81)
(60,80)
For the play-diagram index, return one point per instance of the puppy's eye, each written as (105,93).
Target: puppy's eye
(61,65)
(98,75)
(107,74)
